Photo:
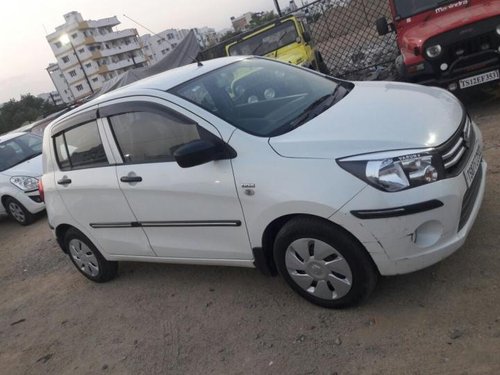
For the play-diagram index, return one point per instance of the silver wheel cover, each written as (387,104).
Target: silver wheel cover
(17,212)
(318,268)
(84,257)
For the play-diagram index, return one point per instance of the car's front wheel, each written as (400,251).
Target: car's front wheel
(18,212)
(324,264)
(87,259)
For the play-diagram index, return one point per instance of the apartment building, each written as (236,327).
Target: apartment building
(90,52)
(60,83)
(242,23)
(157,46)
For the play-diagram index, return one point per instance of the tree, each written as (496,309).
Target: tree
(261,18)
(14,114)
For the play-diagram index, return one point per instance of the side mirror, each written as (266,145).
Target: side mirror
(383,26)
(202,151)
(306,36)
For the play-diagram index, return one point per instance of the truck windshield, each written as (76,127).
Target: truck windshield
(408,8)
(18,150)
(267,41)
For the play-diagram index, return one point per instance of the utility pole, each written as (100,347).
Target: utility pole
(277,7)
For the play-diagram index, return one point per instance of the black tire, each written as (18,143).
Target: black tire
(106,270)
(363,277)
(18,212)
(322,67)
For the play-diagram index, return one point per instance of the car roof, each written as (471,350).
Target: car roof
(8,136)
(162,81)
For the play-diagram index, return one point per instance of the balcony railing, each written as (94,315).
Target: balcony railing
(115,35)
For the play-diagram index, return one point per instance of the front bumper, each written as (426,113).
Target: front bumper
(432,76)
(400,244)
(30,200)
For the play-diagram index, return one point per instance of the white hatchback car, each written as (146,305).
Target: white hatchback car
(20,169)
(250,162)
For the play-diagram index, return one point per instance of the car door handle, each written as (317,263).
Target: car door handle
(130,179)
(64,181)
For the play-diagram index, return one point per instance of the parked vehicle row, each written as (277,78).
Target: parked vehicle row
(256,163)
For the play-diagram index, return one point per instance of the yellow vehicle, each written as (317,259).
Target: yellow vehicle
(286,39)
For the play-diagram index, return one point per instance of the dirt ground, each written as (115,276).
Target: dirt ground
(169,319)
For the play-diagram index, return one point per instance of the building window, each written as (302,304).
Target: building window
(79,87)
(170,36)
(88,65)
(58,44)
(74,36)
(95,79)
(72,73)
(81,50)
(65,59)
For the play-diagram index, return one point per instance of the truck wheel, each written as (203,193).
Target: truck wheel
(400,69)
(322,67)
(324,264)
(87,259)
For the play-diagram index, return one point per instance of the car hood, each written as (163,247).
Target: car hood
(376,116)
(30,168)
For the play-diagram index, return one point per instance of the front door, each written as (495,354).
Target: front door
(187,213)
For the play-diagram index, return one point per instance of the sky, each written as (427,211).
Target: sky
(25,53)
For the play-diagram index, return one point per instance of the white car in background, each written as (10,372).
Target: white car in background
(256,163)
(20,170)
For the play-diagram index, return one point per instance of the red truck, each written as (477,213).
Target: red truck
(449,43)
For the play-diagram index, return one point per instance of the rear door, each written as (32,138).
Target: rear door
(86,182)
(187,213)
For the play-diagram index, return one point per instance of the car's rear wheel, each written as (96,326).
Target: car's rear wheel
(324,264)
(87,259)
(18,212)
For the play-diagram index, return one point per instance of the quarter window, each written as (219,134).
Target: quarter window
(80,147)
(151,137)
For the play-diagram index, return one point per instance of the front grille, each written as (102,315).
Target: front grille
(470,198)
(456,151)
(470,46)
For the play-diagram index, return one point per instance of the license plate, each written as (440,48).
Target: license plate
(479,79)
(471,170)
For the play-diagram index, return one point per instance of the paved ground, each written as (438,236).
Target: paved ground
(208,320)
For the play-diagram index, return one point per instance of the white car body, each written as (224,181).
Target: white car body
(29,168)
(217,213)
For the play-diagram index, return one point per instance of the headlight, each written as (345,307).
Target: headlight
(434,51)
(391,172)
(498,29)
(25,183)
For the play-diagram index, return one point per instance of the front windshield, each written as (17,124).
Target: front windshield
(408,8)
(267,41)
(18,150)
(262,97)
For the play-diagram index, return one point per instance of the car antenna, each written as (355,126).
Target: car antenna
(198,61)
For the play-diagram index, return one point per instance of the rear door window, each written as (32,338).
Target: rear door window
(80,147)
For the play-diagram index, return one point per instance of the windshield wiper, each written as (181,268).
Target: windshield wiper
(316,108)
(258,46)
